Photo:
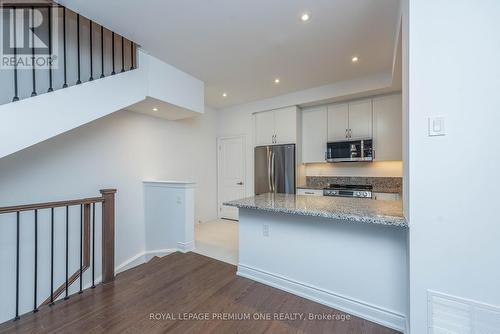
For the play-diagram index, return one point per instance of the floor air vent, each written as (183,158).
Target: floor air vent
(453,315)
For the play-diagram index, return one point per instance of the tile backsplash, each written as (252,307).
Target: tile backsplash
(380,184)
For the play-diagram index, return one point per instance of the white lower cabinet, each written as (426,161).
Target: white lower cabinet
(309,192)
(386,196)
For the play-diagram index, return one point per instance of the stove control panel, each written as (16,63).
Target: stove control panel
(348,193)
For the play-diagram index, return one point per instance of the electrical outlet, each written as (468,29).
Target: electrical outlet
(265,230)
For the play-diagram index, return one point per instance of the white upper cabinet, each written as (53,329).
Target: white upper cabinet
(349,121)
(360,119)
(379,118)
(314,134)
(387,127)
(276,127)
(285,125)
(264,128)
(338,122)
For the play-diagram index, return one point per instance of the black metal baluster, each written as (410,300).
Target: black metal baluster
(51,257)
(17,268)
(123,55)
(78,46)
(65,85)
(35,303)
(50,51)
(67,252)
(16,97)
(113,54)
(131,55)
(93,245)
(102,52)
(81,249)
(33,93)
(91,54)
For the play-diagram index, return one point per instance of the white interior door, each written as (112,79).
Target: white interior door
(231,172)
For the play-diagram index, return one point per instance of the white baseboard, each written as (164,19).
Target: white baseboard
(354,307)
(185,247)
(143,257)
(131,263)
(159,253)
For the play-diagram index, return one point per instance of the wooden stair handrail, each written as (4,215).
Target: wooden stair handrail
(49,205)
(108,236)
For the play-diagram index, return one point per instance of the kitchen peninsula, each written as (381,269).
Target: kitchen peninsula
(347,253)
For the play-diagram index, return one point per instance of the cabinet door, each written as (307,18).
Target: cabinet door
(285,125)
(387,128)
(338,122)
(314,134)
(360,119)
(264,128)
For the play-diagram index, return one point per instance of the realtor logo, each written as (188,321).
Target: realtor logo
(24,32)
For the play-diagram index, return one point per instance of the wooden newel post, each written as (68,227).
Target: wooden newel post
(108,235)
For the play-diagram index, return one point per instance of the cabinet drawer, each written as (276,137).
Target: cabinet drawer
(386,196)
(310,192)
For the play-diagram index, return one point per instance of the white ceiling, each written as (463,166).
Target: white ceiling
(240,46)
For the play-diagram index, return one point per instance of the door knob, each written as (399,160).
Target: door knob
(240,183)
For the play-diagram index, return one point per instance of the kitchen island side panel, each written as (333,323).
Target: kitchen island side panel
(354,267)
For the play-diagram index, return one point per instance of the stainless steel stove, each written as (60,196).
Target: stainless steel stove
(348,190)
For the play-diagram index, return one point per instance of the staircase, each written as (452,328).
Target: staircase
(62,70)
(47,249)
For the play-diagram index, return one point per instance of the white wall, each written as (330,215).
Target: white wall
(454,180)
(120,150)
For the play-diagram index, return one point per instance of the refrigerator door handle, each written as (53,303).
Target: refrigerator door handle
(272,173)
(269,170)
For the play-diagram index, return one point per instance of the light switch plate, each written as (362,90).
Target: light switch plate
(436,126)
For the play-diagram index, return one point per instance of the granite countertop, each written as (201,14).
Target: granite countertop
(358,210)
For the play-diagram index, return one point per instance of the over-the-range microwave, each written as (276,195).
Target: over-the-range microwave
(350,151)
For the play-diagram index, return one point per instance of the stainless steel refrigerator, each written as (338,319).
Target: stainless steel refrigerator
(275,169)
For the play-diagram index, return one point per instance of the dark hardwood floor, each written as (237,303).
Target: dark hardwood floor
(162,295)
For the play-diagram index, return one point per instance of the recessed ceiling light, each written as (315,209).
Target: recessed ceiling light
(277,80)
(155,109)
(355,59)
(305,17)
(224,94)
